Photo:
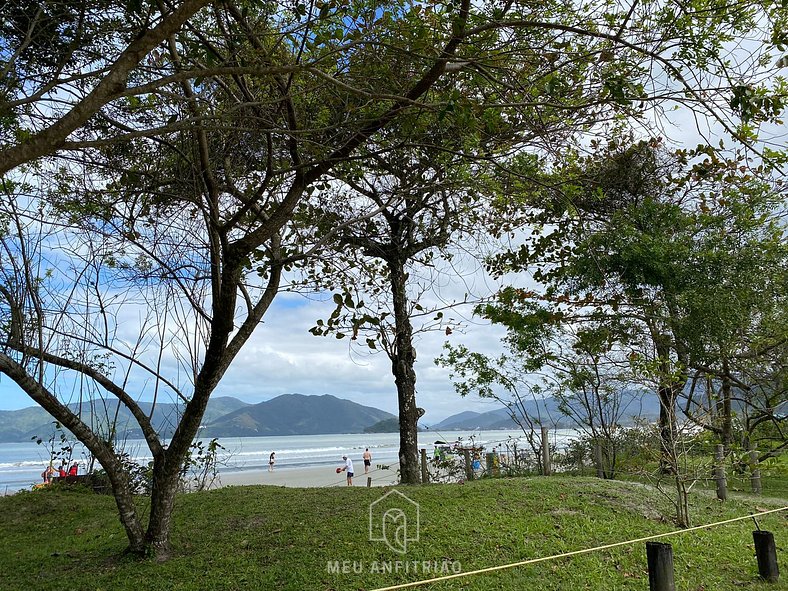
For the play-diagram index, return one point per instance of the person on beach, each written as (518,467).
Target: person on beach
(48,474)
(367,460)
(61,470)
(349,469)
(271,461)
(73,470)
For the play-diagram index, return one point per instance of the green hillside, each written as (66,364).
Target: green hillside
(26,423)
(296,414)
(289,414)
(254,537)
(385,426)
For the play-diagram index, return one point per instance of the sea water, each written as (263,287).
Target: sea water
(21,464)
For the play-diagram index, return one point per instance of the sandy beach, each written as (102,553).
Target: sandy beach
(307,477)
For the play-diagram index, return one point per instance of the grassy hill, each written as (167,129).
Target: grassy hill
(34,421)
(279,538)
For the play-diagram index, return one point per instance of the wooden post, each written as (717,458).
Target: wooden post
(468,468)
(546,469)
(369,481)
(660,566)
(719,468)
(425,474)
(489,463)
(755,472)
(600,470)
(766,552)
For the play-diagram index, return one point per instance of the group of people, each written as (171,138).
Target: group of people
(347,468)
(50,473)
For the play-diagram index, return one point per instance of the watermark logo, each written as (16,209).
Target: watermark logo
(394,520)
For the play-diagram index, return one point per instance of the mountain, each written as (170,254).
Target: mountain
(296,414)
(388,426)
(289,414)
(225,416)
(467,416)
(16,425)
(31,422)
(547,408)
(220,406)
(385,426)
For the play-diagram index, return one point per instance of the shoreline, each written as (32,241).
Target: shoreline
(310,477)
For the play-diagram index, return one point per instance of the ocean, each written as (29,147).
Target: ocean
(21,464)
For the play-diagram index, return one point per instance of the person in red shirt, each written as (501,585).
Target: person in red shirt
(61,470)
(73,470)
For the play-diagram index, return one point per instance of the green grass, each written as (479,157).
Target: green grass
(282,538)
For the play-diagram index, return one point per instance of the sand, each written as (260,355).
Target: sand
(307,477)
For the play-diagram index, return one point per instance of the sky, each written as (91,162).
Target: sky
(283,357)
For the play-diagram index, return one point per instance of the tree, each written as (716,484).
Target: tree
(581,368)
(421,201)
(187,222)
(177,157)
(683,265)
(87,51)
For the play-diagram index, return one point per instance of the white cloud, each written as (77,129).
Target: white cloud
(283,357)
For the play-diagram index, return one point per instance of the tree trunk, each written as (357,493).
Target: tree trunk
(167,471)
(726,422)
(667,427)
(127,510)
(99,449)
(165,486)
(403,358)
(667,392)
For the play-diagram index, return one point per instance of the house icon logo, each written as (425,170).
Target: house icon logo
(394,520)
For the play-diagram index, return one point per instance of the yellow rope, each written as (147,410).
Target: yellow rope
(574,553)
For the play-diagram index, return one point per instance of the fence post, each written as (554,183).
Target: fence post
(600,471)
(659,556)
(468,468)
(755,471)
(722,483)
(546,468)
(425,474)
(369,481)
(766,552)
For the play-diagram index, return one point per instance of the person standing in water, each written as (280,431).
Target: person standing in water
(271,461)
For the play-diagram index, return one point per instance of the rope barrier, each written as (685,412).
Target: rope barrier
(573,553)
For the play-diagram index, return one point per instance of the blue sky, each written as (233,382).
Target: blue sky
(282,357)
